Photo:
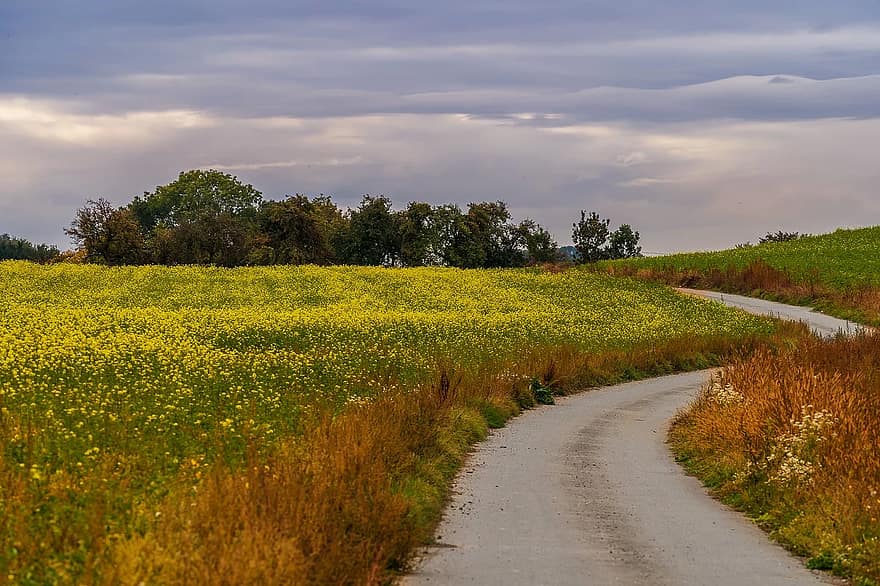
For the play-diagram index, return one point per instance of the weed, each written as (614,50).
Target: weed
(543,395)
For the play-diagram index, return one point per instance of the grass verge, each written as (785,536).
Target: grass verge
(789,437)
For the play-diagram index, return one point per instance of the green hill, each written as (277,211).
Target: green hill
(838,272)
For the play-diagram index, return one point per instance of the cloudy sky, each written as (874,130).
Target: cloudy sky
(700,124)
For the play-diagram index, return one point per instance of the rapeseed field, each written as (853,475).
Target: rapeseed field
(127,391)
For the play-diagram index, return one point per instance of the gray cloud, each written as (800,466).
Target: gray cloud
(677,117)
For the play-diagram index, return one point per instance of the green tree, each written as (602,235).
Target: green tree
(539,243)
(491,231)
(594,241)
(372,237)
(193,196)
(590,237)
(203,217)
(624,243)
(455,244)
(12,248)
(779,236)
(222,240)
(419,235)
(301,231)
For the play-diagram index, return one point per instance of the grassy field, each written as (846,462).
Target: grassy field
(791,437)
(838,272)
(290,424)
(841,259)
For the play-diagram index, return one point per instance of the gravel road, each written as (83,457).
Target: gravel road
(586,492)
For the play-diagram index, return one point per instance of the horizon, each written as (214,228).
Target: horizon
(700,126)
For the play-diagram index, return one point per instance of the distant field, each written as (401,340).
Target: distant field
(839,273)
(122,389)
(841,259)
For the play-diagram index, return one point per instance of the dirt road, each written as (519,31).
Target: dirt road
(586,492)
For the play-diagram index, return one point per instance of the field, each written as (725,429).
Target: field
(838,272)
(290,424)
(842,259)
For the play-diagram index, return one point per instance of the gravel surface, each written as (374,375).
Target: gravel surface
(586,492)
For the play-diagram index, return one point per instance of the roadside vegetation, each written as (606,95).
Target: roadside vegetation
(839,273)
(789,436)
(288,424)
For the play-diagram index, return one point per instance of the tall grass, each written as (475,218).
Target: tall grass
(791,437)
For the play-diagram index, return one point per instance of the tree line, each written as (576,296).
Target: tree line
(210,217)
(12,248)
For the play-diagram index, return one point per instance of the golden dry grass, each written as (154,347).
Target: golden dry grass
(791,437)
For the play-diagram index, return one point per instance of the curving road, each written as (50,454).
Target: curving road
(586,492)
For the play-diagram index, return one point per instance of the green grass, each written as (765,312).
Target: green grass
(842,259)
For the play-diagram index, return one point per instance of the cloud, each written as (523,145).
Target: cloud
(286,164)
(683,185)
(54,122)
(699,124)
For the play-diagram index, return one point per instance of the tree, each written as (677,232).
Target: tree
(590,236)
(624,243)
(107,235)
(195,195)
(301,231)
(502,244)
(454,243)
(12,248)
(594,241)
(221,240)
(419,235)
(779,236)
(539,243)
(372,237)
(204,217)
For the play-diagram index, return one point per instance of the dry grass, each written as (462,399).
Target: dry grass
(791,437)
(348,502)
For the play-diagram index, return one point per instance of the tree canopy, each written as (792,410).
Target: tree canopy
(210,217)
(594,240)
(12,248)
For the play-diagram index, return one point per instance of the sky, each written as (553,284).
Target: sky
(701,124)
